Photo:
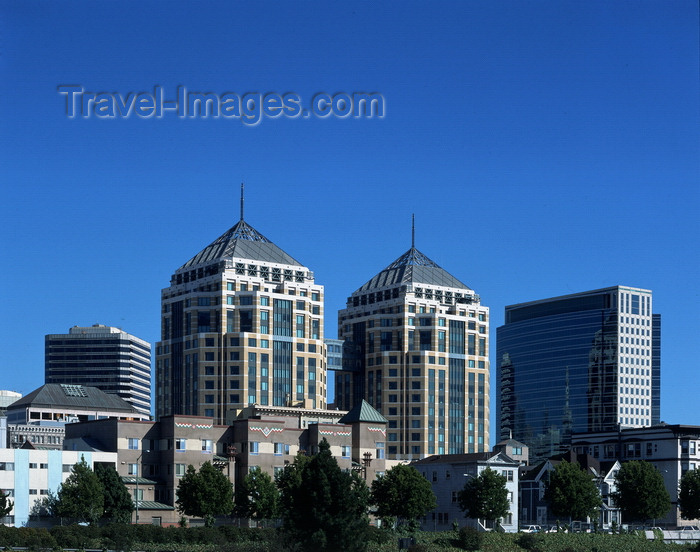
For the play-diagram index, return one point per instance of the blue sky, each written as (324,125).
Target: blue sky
(545,148)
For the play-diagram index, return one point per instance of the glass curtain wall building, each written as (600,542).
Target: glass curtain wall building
(583,362)
(241,324)
(104,357)
(416,348)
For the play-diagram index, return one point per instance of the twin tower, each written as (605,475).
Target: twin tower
(242,323)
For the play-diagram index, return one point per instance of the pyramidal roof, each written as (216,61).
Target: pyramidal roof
(363,412)
(413,267)
(244,242)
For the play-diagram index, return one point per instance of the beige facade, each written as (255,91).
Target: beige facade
(242,324)
(416,348)
(156,454)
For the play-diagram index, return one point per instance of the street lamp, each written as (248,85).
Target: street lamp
(137,485)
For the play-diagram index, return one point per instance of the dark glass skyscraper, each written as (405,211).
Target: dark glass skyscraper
(582,362)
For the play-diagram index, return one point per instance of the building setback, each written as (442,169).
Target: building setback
(104,357)
(416,348)
(583,362)
(241,324)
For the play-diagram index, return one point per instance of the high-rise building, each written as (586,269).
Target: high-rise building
(583,362)
(104,357)
(242,324)
(416,348)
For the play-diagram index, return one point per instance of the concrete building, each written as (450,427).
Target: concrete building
(448,475)
(40,417)
(156,454)
(416,348)
(27,476)
(104,357)
(673,449)
(583,362)
(242,324)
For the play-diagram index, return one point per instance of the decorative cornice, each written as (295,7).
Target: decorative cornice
(266,431)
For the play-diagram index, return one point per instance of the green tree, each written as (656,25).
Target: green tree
(206,494)
(5,504)
(81,495)
(485,496)
(571,492)
(324,509)
(257,496)
(402,493)
(117,499)
(641,494)
(689,494)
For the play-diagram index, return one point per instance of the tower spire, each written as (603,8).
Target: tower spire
(242,189)
(413,231)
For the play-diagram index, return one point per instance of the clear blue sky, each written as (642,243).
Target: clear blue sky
(546,148)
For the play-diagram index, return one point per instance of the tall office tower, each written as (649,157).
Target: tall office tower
(242,324)
(583,362)
(103,357)
(416,349)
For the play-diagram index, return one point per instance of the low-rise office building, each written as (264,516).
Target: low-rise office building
(156,454)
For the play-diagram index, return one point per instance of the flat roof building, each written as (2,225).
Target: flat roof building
(583,362)
(104,357)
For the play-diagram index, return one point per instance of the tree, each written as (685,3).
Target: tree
(641,494)
(324,509)
(402,493)
(5,504)
(206,494)
(689,494)
(571,492)
(257,496)
(117,499)
(81,495)
(485,496)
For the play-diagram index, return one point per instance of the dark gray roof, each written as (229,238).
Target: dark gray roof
(413,267)
(244,242)
(78,397)
(363,412)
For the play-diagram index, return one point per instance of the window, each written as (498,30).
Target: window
(44,466)
(65,468)
(133,444)
(33,491)
(379,450)
(179,470)
(180,445)
(254,447)
(10,466)
(345,451)
(32,465)
(207,446)
(279,449)
(133,469)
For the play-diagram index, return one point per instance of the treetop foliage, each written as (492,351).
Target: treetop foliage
(324,508)
(689,494)
(402,493)
(641,494)
(81,495)
(571,492)
(206,494)
(485,496)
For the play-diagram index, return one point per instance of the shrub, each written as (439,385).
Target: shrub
(469,538)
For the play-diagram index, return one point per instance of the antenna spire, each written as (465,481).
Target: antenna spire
(413,231)
(242,190)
